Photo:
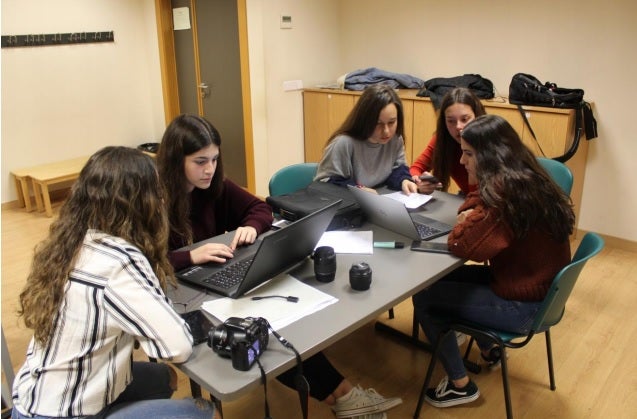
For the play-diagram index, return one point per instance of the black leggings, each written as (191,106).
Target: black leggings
(321,375)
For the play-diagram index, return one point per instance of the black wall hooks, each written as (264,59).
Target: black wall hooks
(41,40)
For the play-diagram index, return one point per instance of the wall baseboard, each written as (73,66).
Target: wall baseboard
(614,242)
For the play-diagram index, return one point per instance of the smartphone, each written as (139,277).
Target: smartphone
(433,247)
(199,325)
(429,178)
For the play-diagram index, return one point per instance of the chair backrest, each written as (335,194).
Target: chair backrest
(292,178)
(553,305)
(559,172)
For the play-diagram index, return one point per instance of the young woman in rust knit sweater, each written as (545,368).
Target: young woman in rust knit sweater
(519,221)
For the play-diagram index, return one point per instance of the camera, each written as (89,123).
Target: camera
(241,339)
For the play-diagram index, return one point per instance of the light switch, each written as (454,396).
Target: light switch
(286,22)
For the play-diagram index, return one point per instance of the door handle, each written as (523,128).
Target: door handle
(204,90)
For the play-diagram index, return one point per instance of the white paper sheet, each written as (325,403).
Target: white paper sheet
(361,242)
(411,201)
(277,311)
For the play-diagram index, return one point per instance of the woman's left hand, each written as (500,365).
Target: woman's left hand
(243,235)
(461,217)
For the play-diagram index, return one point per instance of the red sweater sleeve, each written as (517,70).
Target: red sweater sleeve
(482,235)
(424,161)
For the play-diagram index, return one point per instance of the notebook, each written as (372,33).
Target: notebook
(393,215)
(269,256)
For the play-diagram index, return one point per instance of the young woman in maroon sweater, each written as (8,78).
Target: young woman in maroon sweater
(203,203)
(442,155)
(519,221)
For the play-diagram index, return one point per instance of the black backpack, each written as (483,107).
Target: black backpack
(526,89)
(317,195)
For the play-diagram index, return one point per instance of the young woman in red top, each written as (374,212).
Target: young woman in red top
(519,221)
(442,155)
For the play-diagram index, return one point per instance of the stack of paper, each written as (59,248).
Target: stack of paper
(348,241)
(411,201)
(277,311)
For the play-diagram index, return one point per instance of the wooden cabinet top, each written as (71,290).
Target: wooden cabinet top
(411,94)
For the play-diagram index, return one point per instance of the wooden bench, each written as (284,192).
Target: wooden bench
(43,176)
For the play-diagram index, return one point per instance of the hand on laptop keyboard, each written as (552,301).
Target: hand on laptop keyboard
(211,252)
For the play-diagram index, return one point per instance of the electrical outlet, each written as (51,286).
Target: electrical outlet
(290,85)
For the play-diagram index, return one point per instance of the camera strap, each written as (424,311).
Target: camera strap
(301,384)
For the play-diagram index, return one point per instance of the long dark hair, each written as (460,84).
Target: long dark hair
(185,135)
(116,193)
(445,153)
(511,179)
(361,121)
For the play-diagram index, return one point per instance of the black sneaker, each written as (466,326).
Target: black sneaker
(446,394)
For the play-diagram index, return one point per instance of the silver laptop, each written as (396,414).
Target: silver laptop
(269,256)
(393,215)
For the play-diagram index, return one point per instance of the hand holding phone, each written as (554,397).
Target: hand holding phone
(426,177)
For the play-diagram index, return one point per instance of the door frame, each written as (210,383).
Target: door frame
(170,92)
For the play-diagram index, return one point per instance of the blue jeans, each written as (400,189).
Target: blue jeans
(147,396)
(465,294)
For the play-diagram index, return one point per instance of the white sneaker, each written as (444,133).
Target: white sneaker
(361,402)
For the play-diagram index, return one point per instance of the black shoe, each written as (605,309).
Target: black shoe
(494,358)
(446,394)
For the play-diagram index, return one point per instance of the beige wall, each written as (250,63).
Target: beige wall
(66,101)
(587,44)
(60,102)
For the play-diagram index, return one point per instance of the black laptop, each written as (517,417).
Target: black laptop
(269,256)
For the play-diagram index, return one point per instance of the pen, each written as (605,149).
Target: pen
(390,245)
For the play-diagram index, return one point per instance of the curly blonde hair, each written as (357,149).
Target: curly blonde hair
(117,193)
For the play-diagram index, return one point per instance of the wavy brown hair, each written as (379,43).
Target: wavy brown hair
(185,135)
(362,120)
(444,157)
(511,179)
(116,193)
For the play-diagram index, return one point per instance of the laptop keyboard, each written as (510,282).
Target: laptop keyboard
(426,231)
(230,276)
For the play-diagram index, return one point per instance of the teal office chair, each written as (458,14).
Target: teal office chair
(549,315)
(292,178)
(559,172)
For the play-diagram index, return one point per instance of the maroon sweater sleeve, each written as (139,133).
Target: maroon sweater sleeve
(235,208)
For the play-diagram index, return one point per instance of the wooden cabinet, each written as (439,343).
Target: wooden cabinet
(325,109)
(323,113)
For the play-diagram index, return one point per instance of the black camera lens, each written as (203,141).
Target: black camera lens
(360,276)
(218,340)
(324,263)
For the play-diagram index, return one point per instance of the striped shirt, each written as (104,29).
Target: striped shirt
(112,298)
